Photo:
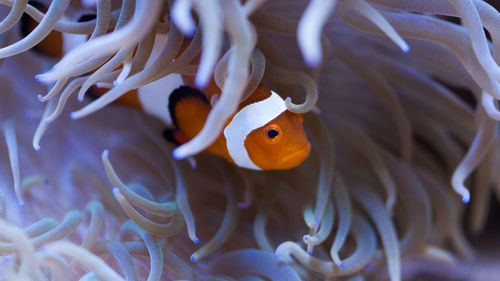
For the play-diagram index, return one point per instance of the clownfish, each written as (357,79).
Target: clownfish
(261,135)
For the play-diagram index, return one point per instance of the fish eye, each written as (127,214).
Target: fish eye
(272,133)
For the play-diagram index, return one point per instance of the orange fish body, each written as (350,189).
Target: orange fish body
(279,144)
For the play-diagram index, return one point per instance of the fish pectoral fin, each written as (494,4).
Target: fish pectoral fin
(174,136)
(189,110)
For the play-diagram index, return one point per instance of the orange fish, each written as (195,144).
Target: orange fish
(262,135)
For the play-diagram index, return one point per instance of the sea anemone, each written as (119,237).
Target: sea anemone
(402,126)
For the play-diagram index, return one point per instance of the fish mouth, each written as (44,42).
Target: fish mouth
(296,158)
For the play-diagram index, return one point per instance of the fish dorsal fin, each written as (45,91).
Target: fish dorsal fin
(188,108)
